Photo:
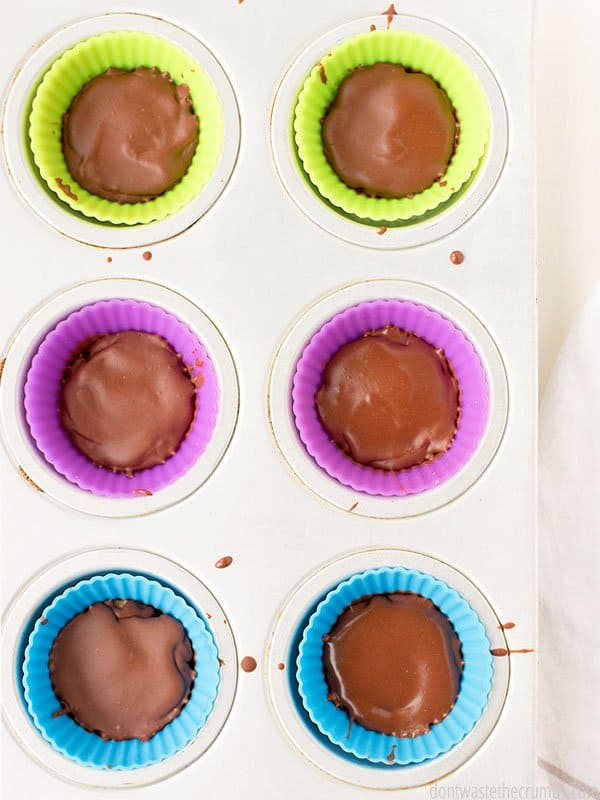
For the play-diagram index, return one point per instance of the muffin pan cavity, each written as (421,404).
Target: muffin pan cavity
(63,589)
(32,140)
(352,216)
(375,567)
(31,426)
(317,461)
(64,629)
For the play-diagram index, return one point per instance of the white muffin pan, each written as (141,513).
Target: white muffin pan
(264,266)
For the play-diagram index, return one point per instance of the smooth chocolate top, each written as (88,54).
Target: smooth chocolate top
(389,400)
(122,669)
(394,663)
(389,133)
(130,136)
(127,400)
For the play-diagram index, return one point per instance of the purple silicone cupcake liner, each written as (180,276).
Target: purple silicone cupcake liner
(42,392)
(351,324)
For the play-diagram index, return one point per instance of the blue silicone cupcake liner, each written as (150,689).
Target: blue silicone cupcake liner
(69,738)
(379,748)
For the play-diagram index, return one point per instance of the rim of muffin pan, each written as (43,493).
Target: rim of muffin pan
(14,428)
(303,465)
(24,610)
(282,686)
(430,227)
(30,184)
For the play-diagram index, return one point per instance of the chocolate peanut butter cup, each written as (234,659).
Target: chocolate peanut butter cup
(120,672)
(390,398)
(122,398)
(139,678)
(130,135)
(394,666)
(389,132)
(390,125)
(393,662)
(161,134)
(127,400)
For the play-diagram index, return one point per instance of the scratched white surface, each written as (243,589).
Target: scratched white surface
(568,119)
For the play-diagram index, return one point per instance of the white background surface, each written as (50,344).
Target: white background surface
(568,143)
(568,123)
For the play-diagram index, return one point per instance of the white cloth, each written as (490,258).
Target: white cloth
(569,547)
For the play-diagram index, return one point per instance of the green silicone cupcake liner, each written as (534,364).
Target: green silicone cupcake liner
(415,52)
(91,57)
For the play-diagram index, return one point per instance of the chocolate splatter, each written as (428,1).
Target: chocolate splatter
(109,260)
(225,561)
(281,666)
(372,28)
(502,651)
(391,755)
(29,481)
(221,662)
(147,255)
(248,664)
(506,626)
(381,231)
(145,492)
(2,363)
(352,507)
(64,187)
(43,621)
(457,257)
(390,13)
(60,713)
(322,73)
(349,731)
